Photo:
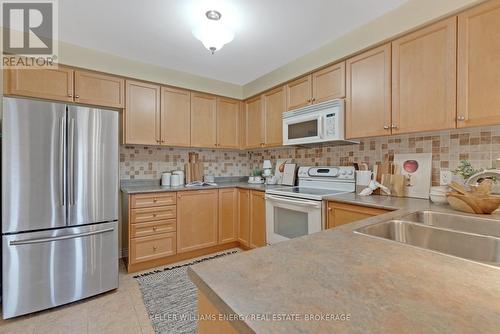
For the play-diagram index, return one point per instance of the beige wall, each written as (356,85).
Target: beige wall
(77,56)
(410,15)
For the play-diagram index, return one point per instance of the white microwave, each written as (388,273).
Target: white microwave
(317,123)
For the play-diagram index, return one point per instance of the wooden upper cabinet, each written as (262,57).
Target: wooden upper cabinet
(424,79)
(243,126)
(142,113)
(244,217)
(99,89)
(257,219)
(197,223)
(274,106)
(175,117)
(329,83)
(228,215)
(479,65)
(51,84)
(228,123)
(254,123)
(299,92)
(203,120)
(368,98)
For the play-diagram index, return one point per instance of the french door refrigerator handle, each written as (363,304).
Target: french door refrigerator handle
(62,237)
(71,163)
(62,149)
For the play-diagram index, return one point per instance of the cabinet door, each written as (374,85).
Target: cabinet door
(243,126)
(257,219)
(368,98)
(424,79)
(228,215)
(196,219)
(254,123)
(274,106)
(203,120)
(152,247)
(479,66)
(142,113)
(244,217)
(299,93)
(51,84)
(329,83)
(228,123)
(175,117)
(340,214)
(99,89)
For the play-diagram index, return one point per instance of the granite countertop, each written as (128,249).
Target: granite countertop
(382,286)
(137,187)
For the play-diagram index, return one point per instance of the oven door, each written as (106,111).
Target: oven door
(288,218)
(303,129)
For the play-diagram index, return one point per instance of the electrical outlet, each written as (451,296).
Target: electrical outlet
(445,177)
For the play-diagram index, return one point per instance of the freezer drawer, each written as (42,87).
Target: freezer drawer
(50,268)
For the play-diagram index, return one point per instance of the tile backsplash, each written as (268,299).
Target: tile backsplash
(479,145)
(148,162)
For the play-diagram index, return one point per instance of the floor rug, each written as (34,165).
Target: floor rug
(171,298)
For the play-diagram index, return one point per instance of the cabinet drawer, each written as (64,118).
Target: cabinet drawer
(152,200)
(152,247)
(152,214)
(152,228)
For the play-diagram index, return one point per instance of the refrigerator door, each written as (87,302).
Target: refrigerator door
(92,165)
(33,159)
(50,268)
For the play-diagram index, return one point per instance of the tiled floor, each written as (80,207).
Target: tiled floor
(121,311)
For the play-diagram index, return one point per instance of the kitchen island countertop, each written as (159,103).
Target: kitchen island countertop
(382,286)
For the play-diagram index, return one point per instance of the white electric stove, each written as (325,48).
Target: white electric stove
(297,211)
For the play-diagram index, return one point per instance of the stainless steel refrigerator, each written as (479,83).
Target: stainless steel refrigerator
(59,204)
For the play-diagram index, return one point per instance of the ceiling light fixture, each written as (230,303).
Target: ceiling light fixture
(212,32)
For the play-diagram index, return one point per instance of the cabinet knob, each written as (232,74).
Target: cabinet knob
(155,200)
(154,215)
(329,209)
(394,126)
(386,127)
(155,248)
(461,118)
(154,228)
(77,96)
(313,99)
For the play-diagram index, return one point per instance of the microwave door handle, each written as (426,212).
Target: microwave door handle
(321,121)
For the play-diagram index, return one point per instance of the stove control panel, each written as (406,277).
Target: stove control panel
(334,172)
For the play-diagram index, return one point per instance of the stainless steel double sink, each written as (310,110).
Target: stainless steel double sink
(467,237)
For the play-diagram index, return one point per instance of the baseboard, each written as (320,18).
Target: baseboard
(134,267)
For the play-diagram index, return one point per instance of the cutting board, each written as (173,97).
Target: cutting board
(194,171)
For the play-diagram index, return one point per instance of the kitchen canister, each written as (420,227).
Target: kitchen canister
(165,179)
(175,180)
(363,177)
(181,176)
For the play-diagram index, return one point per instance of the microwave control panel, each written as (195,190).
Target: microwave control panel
(330,125)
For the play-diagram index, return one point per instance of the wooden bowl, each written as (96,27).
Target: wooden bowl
(473,203)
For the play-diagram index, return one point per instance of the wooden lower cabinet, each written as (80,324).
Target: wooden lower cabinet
(211,319)
(228,215)
(197,222)
(244,217)
(257,219)
(340,213)
(152,247)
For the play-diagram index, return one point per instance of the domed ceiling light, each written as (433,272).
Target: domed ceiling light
(212,32)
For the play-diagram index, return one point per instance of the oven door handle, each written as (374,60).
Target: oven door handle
(304,203)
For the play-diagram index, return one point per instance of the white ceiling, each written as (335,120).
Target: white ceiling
(268,33)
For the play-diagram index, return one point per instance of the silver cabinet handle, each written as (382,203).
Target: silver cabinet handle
(71,162)
(62,149)
(62,237)
(461,118)
(386,127)
(394,126)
